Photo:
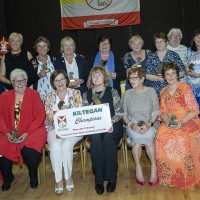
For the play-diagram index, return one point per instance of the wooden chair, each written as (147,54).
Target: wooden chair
(77,147)
(121,147)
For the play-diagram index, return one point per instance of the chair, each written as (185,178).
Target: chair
(77,147)
(121,147)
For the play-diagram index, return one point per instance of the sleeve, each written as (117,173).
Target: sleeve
(119,69)
(148,68)
(163,108)
(4,129)
(38,113)
(124,105)
(117,106)
(155,103)
(191,101)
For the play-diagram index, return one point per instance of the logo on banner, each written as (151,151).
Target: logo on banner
(62,121)
(98,4)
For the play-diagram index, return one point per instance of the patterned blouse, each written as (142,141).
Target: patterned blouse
(153,63)
(72,99)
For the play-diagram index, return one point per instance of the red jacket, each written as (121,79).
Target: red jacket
(32,116)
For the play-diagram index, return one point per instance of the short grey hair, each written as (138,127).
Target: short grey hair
(16,35)
(18,72)
(175,30)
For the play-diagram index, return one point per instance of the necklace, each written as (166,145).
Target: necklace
(15,54)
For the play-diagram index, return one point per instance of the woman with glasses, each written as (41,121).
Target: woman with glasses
(157,59)
(112,63)
(104,145)
(141,109)
(61,149)
(22,133)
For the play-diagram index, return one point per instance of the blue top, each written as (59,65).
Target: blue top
(154,61)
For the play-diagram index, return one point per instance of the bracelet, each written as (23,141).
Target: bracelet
(182,122)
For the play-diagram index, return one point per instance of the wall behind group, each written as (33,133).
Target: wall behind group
(42,17)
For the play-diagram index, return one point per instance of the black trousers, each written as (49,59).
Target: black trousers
(104,154)
(31,158)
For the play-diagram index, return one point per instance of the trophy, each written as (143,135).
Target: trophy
(71,76)
(158,70)
(172,122)
(14,134)
(191,66)
(141,123)
(138,61)
(44,67)
(60,104)
(96,99)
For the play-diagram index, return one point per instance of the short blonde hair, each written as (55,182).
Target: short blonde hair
(174,30)
(64,40)
(18,72)
(16,35)
(90,83)
(135,38)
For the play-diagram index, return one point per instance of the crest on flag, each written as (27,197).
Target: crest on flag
(62,121)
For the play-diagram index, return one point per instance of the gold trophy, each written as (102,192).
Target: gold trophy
(96,99)
(14,134)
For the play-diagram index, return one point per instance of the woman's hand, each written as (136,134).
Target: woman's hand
(64,107)
(50,117)
(135,127)
(75,83)
(192,73)
(9,137)
(144,128)
(22,138)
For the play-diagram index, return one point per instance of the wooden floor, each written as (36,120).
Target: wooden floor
(126,189)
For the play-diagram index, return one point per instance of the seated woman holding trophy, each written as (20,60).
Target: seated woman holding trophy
(104,145)
(22,133)
(178,137)
(141,109)
(61,149)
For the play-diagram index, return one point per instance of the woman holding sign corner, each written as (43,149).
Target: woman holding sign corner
(61,149)
(104,145)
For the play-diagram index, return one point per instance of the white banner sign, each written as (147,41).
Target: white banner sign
(83,121)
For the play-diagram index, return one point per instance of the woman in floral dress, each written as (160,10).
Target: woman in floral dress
(178,145)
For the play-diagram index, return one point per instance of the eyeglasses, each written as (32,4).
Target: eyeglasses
(133,78)
(58,81)
(19,81)
(104,43)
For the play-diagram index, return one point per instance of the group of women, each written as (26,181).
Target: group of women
(170,132)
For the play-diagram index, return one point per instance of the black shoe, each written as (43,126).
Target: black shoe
(99,188)
(7,184)
(34,183)
(111,186)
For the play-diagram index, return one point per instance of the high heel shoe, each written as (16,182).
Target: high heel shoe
(153,183)
(140,182)
(59,187)
(69,185)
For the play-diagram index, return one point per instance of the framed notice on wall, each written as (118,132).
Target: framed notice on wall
(83,121)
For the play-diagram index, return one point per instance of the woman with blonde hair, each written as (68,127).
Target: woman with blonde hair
(16,58)
(136,58)
(72,63)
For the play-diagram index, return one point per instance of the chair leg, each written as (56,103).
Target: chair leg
(39,178)
(84,161)
(44,164)
(126,157)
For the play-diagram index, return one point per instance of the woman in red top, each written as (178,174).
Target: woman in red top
(21,111)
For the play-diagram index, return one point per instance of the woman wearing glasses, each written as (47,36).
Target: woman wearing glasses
(22,133)
(61,150)
(141,109)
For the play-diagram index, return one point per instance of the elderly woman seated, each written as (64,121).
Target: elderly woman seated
(22,133)
(141,109)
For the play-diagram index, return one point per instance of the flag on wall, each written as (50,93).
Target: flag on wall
(81,14)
